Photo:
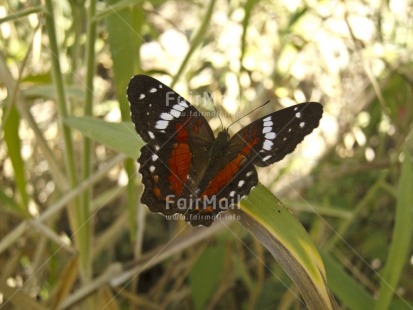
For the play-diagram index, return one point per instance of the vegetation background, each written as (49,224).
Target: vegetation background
(72,231)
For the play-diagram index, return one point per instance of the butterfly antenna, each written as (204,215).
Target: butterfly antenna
(249,113)
(215,108)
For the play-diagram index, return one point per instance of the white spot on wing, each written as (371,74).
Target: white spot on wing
(151,135)
(268,124)
(296,108)
(298,115)
(141,96)
(153,90)
(249,174)
(152,169)
(155,157)
(160,86)
(270,135)
(157,147)
(183,103)
(267,145)
(175,113)
(266,129)
(266,158)
(232,194)
(178,107)
(267,119)
(241,183)
(302,124)
(161,124)
(166,116)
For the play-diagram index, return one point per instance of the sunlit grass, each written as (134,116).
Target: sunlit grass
(69,190)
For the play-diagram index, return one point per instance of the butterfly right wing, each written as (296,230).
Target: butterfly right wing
(272,137)
(234,180)
(263,142)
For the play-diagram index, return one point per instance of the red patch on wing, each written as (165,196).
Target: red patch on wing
(157,193)
(250,140)
(198,123)
(180,161)
(223,176)
(179,164)
(182,133)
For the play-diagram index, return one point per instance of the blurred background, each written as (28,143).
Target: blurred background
(72,231)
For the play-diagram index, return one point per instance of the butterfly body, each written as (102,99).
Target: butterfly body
(187,170)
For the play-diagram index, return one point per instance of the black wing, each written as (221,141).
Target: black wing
(271,138)
(178,138)
(158,112)
(263,142)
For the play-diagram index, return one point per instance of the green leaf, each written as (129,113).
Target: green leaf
(351,293)
(125,38)
(249,5)
(49,91)
(283,235)
(402,236)
(206,274)
(121,137)
(38,78)
(12,139)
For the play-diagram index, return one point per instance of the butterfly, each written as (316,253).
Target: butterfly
(187,170)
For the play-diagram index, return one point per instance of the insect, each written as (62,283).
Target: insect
(187,170)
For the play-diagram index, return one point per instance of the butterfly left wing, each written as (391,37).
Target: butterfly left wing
(270,138)
(178,140)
